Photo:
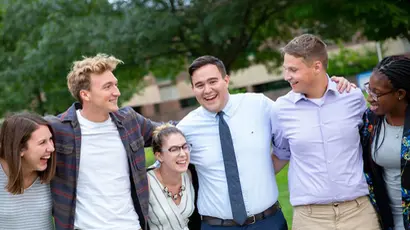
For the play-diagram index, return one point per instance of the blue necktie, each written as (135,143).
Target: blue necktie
(231,171)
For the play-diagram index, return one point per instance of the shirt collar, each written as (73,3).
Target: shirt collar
(228,109)
(71,116)
(331,87)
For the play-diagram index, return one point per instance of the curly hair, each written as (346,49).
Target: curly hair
(79,76)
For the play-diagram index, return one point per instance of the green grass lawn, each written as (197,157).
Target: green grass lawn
(281,179)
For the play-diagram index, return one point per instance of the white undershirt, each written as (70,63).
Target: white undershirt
(317,101)
(103,187)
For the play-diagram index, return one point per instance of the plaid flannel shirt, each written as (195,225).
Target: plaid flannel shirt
(135,132)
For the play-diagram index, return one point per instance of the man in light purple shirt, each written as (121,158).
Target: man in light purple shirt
(317,130)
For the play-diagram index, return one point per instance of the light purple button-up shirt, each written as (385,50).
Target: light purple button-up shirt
(321,139)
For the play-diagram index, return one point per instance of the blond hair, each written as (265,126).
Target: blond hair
(79,77)
(309,47)
(160,133)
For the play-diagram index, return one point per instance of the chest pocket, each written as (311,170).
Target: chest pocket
(138,153)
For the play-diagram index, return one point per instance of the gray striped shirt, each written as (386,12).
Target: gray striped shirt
(29,211)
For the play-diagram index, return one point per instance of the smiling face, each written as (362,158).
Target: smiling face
(103,94)
(38,151)
(383,99)
(27,149)
(210,88)
(175,153)
(299,74)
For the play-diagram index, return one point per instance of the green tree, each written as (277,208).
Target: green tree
(41,38)
(350,62)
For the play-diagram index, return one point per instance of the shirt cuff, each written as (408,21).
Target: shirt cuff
(282,154)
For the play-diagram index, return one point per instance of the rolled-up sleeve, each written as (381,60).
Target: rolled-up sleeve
(280,144)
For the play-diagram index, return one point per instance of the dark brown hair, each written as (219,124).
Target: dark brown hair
(15,132)
(309,47)
(206,60)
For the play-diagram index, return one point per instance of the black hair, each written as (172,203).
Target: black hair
(206,60)
(397,70)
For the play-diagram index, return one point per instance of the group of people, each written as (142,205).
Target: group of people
(215,169)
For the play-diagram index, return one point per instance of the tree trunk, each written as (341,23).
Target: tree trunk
(40,106)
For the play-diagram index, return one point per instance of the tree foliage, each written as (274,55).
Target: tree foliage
(41,38)
(349,62)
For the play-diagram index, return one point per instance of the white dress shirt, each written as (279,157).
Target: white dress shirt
(249,118)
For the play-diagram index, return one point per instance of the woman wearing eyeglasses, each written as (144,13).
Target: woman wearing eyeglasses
(386,141)
(171,200)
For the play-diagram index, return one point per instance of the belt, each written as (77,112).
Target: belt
(250,220)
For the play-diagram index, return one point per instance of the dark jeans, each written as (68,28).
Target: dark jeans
(275,222)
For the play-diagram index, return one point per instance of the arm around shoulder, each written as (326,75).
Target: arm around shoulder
(52,119)
(146,126)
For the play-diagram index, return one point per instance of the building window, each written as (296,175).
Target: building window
(188,102)
(137,109)
(156,108)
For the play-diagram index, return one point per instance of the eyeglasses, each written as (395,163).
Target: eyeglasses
(374,96)
(176,150)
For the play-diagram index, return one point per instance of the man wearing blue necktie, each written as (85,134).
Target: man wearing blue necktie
(231,150)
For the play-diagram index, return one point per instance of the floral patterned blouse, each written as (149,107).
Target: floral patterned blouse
(373,172)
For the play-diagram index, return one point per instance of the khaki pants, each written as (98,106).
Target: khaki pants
(357,214)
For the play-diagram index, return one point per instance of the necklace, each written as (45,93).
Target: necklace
(166,190)
(400,132)
(399,128)
(176,195)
